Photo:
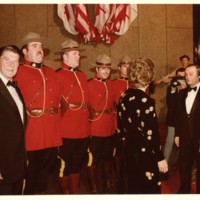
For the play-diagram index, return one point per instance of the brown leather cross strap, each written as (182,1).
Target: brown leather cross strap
(37,93)
(65,105)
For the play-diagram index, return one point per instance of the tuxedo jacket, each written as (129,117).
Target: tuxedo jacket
(188,125)
(12,137)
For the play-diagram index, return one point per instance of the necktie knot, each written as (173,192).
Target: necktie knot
(12,83)
(190,88)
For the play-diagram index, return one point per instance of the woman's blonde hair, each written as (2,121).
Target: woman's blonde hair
(141,72)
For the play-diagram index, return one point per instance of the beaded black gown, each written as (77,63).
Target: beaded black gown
(137,124)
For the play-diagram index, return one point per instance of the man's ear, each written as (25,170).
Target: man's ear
(24,51)
(97,69)
(64,56)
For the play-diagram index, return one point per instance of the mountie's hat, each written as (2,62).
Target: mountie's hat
(69,45)
(103,61)
(33,37)
(125,60)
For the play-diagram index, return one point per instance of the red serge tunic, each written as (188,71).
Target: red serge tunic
(119,86)
(74,123)
(102,124)
(43,131)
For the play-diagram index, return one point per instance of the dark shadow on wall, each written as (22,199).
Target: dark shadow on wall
(196,33)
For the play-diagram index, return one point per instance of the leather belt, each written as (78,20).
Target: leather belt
(77,105)
(37,111)
(108,111)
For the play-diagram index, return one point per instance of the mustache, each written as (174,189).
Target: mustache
(40,52)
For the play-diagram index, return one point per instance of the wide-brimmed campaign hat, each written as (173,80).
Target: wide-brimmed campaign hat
(103,60)
(125,60)
(69,45)
(33,37)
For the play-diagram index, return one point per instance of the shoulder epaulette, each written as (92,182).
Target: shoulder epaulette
(90,79)
(57,70)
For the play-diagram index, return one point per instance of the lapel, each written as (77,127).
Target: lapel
(6,95)
(196,102)
(8,98)
(22,100)
(183,98)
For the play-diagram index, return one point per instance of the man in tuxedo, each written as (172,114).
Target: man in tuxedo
(12,125)
(187,128)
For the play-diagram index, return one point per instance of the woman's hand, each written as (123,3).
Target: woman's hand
(163,166)
(176,140)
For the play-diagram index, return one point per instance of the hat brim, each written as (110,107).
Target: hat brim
(69,49)
(113,71)
(122,63)
(44,41)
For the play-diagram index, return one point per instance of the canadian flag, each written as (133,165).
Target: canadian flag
(124,16)
(114,19)
(110,20)
(83,24)
(66,13)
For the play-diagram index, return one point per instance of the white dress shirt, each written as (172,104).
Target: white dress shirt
(190,99)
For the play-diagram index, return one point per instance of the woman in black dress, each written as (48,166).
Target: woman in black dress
(143,159)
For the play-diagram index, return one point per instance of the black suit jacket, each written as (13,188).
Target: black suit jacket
(12,137)
(188,125)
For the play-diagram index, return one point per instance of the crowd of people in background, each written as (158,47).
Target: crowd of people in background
(60,121)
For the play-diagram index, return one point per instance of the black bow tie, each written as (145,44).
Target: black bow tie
(72,69)
(190,89)
(12,83)
(36,65)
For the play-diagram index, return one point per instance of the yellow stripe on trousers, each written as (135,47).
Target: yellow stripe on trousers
(62,167)
(90,160)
